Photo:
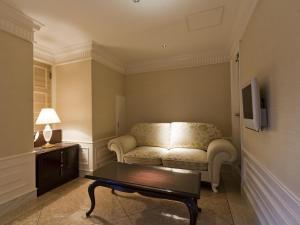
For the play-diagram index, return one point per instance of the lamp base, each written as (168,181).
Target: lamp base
(48,145)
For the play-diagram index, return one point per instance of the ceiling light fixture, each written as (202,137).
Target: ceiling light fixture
(164,45)
(136,1)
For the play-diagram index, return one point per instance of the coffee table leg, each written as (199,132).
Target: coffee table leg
(191,203)
(91,191)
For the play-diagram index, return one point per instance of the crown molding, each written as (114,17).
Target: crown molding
(43,54)
(17,23)
(78,52)
(99,54)
(246,11)
(178,62)
(93,51)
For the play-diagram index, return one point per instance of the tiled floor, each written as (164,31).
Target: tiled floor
(68,204)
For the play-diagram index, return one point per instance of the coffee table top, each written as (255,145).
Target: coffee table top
(160,179)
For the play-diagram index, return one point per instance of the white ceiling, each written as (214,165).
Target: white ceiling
(135,31)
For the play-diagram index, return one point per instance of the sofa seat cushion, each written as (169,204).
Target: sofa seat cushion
(145,155)
(186,158)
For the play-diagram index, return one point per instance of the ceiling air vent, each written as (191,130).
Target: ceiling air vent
(205,19)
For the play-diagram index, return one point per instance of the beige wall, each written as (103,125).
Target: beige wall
(194,94)
(74,100)
(16,95)
(106,85)
(270,51)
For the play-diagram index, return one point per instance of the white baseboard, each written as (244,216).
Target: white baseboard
(10,210)
(272,201)
(17,180)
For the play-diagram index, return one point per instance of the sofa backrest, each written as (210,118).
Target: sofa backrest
(193,135)
(152,134)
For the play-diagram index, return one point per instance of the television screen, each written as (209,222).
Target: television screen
(247,102)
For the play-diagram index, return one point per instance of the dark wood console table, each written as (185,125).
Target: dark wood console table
(56,166)
(173,184)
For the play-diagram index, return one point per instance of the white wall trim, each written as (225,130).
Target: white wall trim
(86,155)
(10,210)
(15,156)
(17,176)
(72,61)
(17,23)
(272,201)
(93,154)
(104,139)
(99,54)
(77,53)
(102,154)
(246,11)
(43,54)
(178,62)
(93,51)
(77,141)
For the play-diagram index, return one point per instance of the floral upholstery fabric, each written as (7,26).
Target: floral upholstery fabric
(186,158)
(152,134)
(145,155)
(193,135)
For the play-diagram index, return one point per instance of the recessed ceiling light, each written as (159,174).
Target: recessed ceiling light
(136,1)
(164,45)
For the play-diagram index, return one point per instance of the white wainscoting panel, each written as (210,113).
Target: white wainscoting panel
(17,176)
(93,155)
(103,155)
(86,156)
(272,201)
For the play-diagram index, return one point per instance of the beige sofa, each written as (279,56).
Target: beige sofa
(194,146)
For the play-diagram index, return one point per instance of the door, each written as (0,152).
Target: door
(120,115)
(235,102)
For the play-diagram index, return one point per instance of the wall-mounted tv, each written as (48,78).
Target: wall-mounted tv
(251,105)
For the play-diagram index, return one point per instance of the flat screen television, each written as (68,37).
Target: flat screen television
(251,105)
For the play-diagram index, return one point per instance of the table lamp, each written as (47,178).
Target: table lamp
(46,117)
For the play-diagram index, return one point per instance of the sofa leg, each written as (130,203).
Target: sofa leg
(214,188)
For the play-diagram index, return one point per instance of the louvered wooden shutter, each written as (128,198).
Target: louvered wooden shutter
(41,89)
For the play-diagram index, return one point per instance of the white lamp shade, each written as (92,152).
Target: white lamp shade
(47,116)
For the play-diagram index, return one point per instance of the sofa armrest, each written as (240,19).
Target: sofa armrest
(218,152)
(219,146)
(122,145)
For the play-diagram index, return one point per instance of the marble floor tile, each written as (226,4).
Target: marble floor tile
(28,217)
(238,205)
(79,218)
(68,204)
(157,217)
(135,203)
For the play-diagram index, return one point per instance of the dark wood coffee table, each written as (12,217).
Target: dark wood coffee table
(159,182)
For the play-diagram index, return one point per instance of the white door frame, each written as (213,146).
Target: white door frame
(236,102)
(120,115)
